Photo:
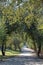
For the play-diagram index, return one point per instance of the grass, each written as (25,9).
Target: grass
(9,54)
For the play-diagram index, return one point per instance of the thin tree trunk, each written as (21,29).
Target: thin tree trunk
(15,47)
(3,51)
(39,50)
(3,47)
(34,46)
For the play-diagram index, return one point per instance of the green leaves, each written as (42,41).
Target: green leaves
(2,31)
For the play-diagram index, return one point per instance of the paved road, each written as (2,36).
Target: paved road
(23,59)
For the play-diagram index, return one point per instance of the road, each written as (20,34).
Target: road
(27,57)
(27,52)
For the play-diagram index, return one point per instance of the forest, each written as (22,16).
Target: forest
(21,22)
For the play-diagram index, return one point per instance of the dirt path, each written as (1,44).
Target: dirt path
(27,52)
(20,60)
(25,58)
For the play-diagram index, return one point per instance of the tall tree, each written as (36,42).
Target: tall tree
(3,37)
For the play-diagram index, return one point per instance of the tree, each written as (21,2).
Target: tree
(17,44)
(3,37)
(23,19)
(36,37)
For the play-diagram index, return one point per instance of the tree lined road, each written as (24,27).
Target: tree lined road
(21,21)
(25,58)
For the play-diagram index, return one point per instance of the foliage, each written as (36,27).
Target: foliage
(2,31)
(24,20)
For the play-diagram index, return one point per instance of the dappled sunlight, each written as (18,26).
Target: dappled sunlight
(21,32)
(23,61)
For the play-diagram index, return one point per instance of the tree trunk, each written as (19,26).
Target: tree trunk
(3,51)
(35,47)
(39,50)
(15,47)
(19,47)
(3,47)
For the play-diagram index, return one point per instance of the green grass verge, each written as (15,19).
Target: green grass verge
(8,54)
